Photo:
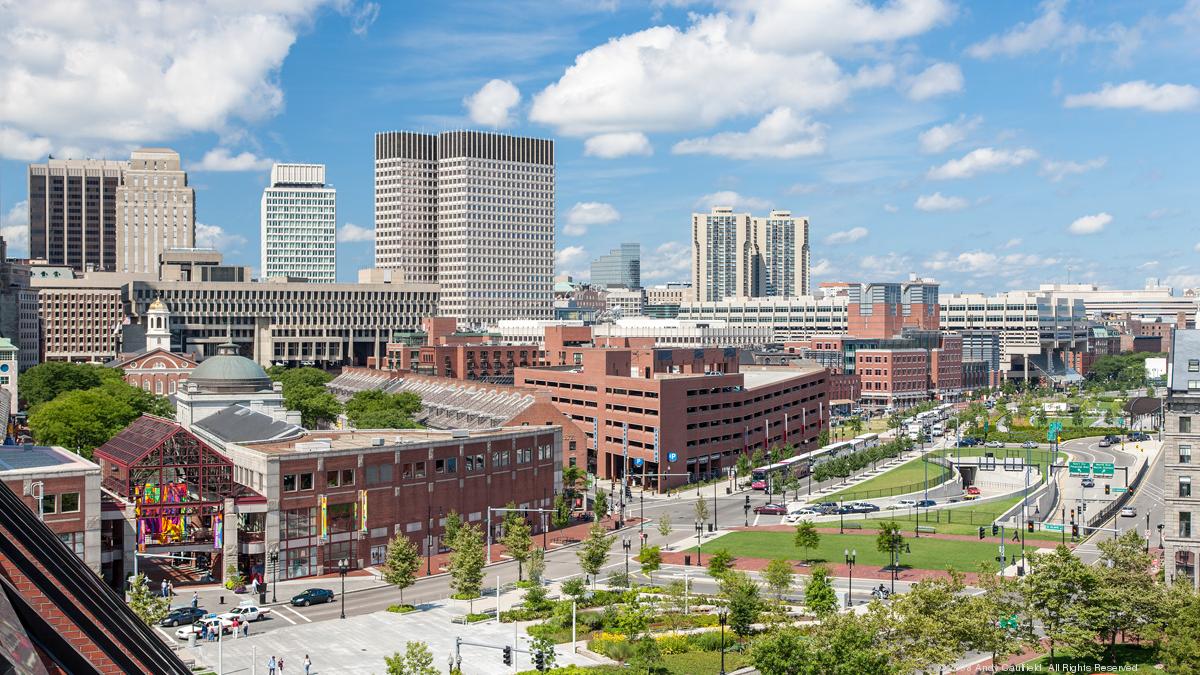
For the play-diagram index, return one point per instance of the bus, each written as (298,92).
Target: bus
(866,441)
(800,465)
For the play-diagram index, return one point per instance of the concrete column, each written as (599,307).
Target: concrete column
(91,528)
(230,550)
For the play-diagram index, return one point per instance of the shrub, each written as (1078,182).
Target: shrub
(673,644)
(401,609)
(612,645)
(524,614)
(708,641)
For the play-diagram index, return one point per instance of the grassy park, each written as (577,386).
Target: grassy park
(909,473)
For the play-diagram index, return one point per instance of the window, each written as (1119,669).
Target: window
(339,477)
(298,562)
(342,517)
(73,541)
(1185,486)
(1194,365)
(452,465)
(439,466)
(420,470)
(289,482)
(1185,454)
(1185,524)
(298,523)
(1185,425)
(48,504)
(68,502)
(407,473)
(377,474)
(306,481)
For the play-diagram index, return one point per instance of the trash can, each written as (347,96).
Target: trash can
(1020,570)
(262,597)
(728,490)
(687,560)
(220,600)
(710,527)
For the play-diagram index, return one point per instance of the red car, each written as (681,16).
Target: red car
(973,490)
(771,509)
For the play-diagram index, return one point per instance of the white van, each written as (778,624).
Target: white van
(938,430)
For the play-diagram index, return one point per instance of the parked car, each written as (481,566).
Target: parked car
(181,616)
(972,490)
(1128,512)
(926,503)
(312,596)
(797,516)
(771,509)
(906,503)
(994,444)
(1088,482)
(829,510)
(212,621)
(1104,443)
(864,507)
(246,611)
(1029,444)
(1114,439)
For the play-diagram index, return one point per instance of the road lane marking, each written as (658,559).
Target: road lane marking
(284,616)
(295,611)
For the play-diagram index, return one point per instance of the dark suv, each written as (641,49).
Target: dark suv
(182,616)
(312,596)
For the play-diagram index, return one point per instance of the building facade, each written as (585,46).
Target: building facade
(63,489)
(785,319)
(736,255)
(492,227)
(156,210)
(1181,473)
(73,212)
(299,224)
(81,324)
(621,267)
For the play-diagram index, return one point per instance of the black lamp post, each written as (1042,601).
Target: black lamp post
(625,544)
(723,618)
(343,568)
(274,558)
(429,541)
(851,556)
(699,529)
(746,508)
(642,515)
(1160,536)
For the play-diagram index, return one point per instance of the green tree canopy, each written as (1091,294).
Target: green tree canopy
(594,550)
(779,577)
(416,660)
(819,595)
(466,563)
(807,537)
(744,601)
(307,376)
(842,644)
(720,563)
(45,381)
(317,407)
(650,558)
(403,560)
(150,607)
(80,420)
(517,542)
(381,410)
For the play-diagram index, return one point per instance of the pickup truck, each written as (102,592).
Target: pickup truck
(246,612)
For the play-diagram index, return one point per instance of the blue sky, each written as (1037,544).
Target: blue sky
(989,145)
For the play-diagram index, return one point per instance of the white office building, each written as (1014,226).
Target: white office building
(473,212)
(156,210)
(736,255)
(299,224)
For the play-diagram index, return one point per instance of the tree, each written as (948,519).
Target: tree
(823,438)
(139,400)
(317,407)
(45,381)
(842,644)
(926,626)
(562,513)
(575,588)
(1001,600)
(416,660)
(537,565)
(518,542)
(807,537)
(889,538)
(720,563)
(856,425)
(374,409)
(594,550)
(743,466)
(1127,599)
(454,524)
(600,505)
(1180,648)
(650,558)
(779,577)
(701,511)
(306,376)
(664,525)
(744,602)
(80,420)
(466,564)
(1057,591)
(572,476)
(819,595)
(403,560)
(545,647)
(150,607)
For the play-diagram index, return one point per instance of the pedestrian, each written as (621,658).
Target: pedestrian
(281,665)
(307,665)
(195,600)
(271,666)
(235,628)
(253,586)
(203,632)
(170,589)
(245,629)
(164,588)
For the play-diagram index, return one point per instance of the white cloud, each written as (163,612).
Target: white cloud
(215,236)
(986,264)
(822,267)
(104,71)
(21,147)
(1139,94)
(1160,213)
(14,228)
(492,105)
(585,214)
(945,136)
(939,202)
(982,160)
(1149,264)
(1012,243)
(361,17)
(1089,224)
(1056,171)
(847,236)
(1050,31)
(571,259)
(732,199)
(671,260)
(219,159)
(781,134)
(938,79)
(610,146)
(727,64)
(351,232)
(891,208)
(890,264)
(803,188)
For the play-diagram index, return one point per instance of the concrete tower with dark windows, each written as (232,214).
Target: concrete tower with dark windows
(73,212)
(156,210)
(473,212)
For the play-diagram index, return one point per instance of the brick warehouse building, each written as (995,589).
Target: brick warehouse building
(685,413)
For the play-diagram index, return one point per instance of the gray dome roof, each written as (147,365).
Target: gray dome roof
(227,372)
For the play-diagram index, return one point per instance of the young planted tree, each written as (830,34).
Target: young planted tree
(416,660)
(454,523)
(518,543)
(720,563)
(650,558)
(466,564)
(1180,647)
(537,565)
(600,505)
(889,539)
(807,538)
(150,607)
(743,467)
(744,601)
(1058,590)
(779,577)
(575,588)
(403,560)
(926,627)
(664,525)
(1128,600)
(819,596)
(562,513)
(993,619)
(701,511)
(594,551)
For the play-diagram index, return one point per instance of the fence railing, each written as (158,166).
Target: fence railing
(1117,504)
(944,474)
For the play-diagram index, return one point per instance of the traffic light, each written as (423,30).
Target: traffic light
(539,661)
(1074,530)
(508,656)
(981,532)
(1107,489)
(995,529)
(747,500)
(1029,525)
(1072,514)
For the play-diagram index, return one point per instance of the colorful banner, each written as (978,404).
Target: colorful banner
(785,428)
(218,531)
(362,510)
(766,434)
(324,518)
(656,445)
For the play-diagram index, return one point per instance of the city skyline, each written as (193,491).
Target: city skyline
(989,147)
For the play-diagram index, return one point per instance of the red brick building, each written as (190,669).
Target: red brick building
(69,489)
(681,413)
(157,371)
(460,356)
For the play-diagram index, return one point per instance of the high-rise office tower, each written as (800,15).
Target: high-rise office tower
(156,210)
(473,211)
(73,212)
(622,267)
(737,255)
(299,224)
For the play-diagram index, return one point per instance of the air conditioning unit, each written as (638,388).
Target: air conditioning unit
(378,442)
(460,433)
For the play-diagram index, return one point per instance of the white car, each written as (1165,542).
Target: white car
(794,518)
(211,621)
(994,444)
(246,612)
(906,503)
(1129,512)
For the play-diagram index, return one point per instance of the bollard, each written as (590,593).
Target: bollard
(221,600)
(687,560)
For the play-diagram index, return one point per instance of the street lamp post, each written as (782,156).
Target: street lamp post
(723,618)
(625,544)
(642,515)
(714,506)
(746,508)
(343,568)
(274,558)
(1160,536)
(851,556)
(699,530)
(428,541)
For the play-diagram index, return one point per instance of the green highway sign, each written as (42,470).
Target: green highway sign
(1080,468)
(1052,527)
(1119,490)
(1103,468)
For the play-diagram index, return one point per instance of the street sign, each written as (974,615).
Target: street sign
(1119,490)
(1051,435)
(1080,468)
(1052,527)
(637,461)
(671,457)
(1103,468)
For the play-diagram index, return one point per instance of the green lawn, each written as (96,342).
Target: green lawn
(689,663)
(909,473)
(1130,659)
(934,554)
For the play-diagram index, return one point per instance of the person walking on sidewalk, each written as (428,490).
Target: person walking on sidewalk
(281,665)
(164,588)
(307,665)
(195,600)
(170,590)
(271,666)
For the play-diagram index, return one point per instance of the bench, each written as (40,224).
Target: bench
(926,529)
(852,526)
